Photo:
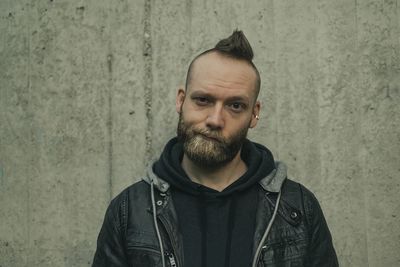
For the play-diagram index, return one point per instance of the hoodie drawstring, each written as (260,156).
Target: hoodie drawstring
(260,246)
(202,206)
(153,203)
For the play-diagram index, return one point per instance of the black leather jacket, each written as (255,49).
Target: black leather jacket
(132,235)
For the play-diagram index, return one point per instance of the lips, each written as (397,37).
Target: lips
(210,137)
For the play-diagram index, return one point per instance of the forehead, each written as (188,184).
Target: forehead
(216,71)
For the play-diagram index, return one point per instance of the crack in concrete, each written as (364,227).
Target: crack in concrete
(110,127)
(148,78)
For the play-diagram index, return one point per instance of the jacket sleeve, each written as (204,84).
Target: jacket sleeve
(321,252)
(110,250)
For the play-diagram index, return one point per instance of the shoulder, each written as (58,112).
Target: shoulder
(135,195)
(140,187)
(296,190)
(305,200)
(302,197)
(137,191)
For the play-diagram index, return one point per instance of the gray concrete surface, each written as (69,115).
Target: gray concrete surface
(87,94)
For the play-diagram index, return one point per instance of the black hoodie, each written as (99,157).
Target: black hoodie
(217,227)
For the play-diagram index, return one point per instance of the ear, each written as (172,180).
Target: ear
(255,115)
(180,98)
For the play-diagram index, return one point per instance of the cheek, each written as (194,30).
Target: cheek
(235,126)
(240,122)
(193,117)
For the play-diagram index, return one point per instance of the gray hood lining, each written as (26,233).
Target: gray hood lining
(272,182)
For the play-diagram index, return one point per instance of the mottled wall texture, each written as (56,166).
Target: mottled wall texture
(87,99)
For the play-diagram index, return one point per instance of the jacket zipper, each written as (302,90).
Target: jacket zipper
(171,258)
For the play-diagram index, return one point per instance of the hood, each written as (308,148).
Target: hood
(261,168)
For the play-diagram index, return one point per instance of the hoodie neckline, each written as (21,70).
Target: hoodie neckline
(259,161)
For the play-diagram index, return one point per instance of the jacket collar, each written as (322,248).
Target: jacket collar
(271,183)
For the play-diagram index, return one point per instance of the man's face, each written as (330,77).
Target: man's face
(217,109)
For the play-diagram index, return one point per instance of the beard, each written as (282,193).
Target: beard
(208,148)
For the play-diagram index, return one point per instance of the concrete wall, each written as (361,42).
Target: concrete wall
(87,97)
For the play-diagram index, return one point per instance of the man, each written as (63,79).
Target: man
(214,198)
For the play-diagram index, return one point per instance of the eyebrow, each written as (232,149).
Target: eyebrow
(238,98)
(229,99)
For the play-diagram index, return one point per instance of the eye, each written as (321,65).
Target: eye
(201,101)
(237,106)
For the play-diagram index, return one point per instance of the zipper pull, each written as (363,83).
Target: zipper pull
(172,259)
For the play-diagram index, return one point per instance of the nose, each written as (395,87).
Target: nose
(215,119)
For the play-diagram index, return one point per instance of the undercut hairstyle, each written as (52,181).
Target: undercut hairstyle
(235,46)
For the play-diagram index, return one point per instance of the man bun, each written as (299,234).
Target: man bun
(236,46)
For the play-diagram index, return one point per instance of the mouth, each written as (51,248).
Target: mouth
(209,137)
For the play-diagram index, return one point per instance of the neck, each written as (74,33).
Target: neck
(217,178)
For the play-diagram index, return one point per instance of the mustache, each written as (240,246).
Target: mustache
(217,136)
